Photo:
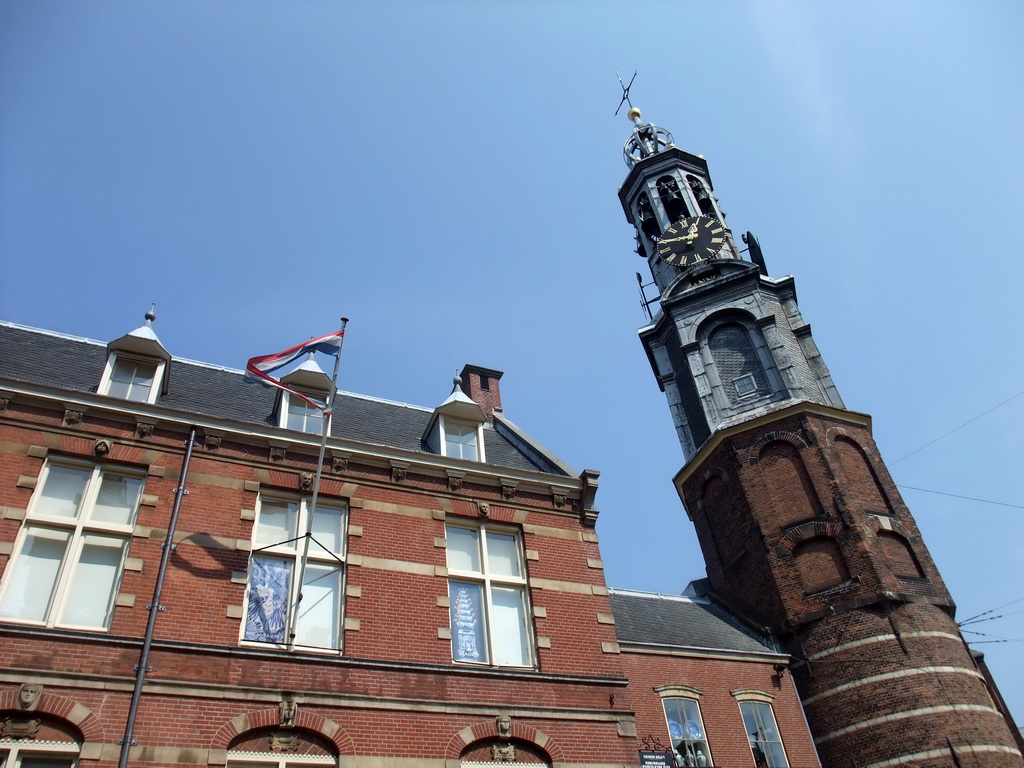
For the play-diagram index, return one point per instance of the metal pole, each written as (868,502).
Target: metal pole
(293,614)
(155,607)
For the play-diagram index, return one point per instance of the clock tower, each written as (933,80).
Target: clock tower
(803,530)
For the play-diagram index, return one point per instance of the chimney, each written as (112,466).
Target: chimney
(481,386)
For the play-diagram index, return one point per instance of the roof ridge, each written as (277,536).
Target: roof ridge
(659,596)
(46,332)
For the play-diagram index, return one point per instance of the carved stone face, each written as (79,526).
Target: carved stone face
(288,710)
(504,725)
(28,696)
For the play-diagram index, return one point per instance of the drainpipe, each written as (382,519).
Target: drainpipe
(155,607)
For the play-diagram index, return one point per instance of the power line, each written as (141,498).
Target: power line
(958,496)
(947,434)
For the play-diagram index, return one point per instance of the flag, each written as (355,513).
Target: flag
(259,368)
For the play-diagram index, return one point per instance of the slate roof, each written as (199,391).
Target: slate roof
(35,356)
(653,619)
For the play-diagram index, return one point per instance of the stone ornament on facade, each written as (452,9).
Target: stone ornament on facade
(28,697)
(503,723)
(305,481)
(503,752)
(339,464)
(454,484)
(4,402)
(288,713)
(284,741)
(144,430)
(211,442)
(483,508)
(397,474)
(559,499)
(72,418)
(277,453)
(102,447)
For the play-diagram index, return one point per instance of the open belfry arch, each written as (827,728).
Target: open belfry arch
(802,528)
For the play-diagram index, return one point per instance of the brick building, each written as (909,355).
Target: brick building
(170,595)
(453,607)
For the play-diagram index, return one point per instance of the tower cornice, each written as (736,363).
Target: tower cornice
(770,417)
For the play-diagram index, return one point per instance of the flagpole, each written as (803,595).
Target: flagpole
(293,614)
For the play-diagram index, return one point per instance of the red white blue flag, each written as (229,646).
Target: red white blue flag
(259,368)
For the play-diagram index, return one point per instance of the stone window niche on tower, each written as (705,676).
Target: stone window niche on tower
(740,369)
(672,199)
(703,197)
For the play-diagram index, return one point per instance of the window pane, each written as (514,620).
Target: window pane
(467,617)
(91,589)
(117,499)
(463,549)
(328,529)
(687,732)
(320,609)
(508,627)
(276,524)
(267,614)
(31,583)
(62,491)
(502,555)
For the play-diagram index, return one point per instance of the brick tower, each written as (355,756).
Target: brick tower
(802,528)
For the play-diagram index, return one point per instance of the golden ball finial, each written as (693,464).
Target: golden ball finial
(633,114)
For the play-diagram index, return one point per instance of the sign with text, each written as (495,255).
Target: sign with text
(652,759)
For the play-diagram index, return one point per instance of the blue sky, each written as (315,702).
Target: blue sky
(445,175)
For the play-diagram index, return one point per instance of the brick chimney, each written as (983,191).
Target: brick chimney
(481,386)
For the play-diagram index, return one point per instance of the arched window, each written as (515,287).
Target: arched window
(645,214)
(281,747)
(686,729)
(739,367)
(672,199)
(703,197)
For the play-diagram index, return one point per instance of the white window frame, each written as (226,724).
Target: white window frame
(286,404)
(158,375)
(464,428)
(77,527)
(291,551)
(14,751)
(264,759)
(757,699)
(488,581)
(686,696)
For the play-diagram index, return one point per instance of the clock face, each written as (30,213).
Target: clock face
(691,241)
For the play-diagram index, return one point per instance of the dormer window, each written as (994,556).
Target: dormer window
(132,379)
(137,365)
(300,416)
(460,440)
(456,428)
(297,413)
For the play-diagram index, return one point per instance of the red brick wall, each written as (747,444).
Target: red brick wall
(720,711)
(394,690)
(813,480)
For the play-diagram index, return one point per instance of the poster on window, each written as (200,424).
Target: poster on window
(467,622)
(267,614)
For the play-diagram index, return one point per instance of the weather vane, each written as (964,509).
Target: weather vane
(625,91)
